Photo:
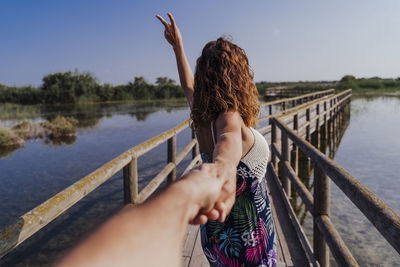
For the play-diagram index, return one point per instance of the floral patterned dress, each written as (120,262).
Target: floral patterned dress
(247,237)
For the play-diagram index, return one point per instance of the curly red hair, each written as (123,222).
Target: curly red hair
(223,81)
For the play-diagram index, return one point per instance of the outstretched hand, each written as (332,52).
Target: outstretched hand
(223,203)
(171,32)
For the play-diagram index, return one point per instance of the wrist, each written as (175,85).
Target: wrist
(224,168)
(178,47)
(189,198)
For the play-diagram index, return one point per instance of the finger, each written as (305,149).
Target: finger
(162,21)
(213,214)
(200,219)
(171,18)
(221,207)
(229,202)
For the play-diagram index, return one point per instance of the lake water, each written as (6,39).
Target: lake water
(369,150)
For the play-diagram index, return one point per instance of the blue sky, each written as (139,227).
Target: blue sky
(285,40)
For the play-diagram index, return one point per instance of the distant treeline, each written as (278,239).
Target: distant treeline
(347,81)
(75,87)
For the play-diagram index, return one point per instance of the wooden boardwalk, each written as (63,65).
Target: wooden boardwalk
(299,127)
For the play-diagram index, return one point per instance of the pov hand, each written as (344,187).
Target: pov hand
(226,198)
(171,32)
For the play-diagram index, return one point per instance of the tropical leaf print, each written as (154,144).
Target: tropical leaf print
(269,221)
(214,227)
(254,184)
(258,250)
(272,259)
(211,256)
(244,213)
(230,243)
(225,261)
(259,200)
(204,237)
(243,172)
(241,187)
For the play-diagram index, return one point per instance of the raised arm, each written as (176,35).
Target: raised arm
(174,37)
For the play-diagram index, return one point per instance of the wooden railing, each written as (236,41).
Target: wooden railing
(32,221)
(285,92)
(296,127)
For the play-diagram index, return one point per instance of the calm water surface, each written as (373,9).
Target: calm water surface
(369,149)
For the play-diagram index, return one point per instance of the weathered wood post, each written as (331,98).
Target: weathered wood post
(308,138)
(294,162)
(273,142)
(317,129)
(171,157)
(308,125)
(285,157)
(334,116)
(323,140)
(294,153)
(270,109)
(195,149)
(130,174)
(321,207)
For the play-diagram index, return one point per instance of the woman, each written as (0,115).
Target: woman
(224,106)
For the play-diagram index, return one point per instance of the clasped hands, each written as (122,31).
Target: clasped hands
(212,189)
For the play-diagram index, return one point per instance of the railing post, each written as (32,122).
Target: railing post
(308,138)
(273,141)
(171,158)
(317,129)
(270,109)
(195,149)
(284,105)
(321,207)
(285,157)
(294,153)
(130,173)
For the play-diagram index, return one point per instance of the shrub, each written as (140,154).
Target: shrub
(60,127)
(8,138)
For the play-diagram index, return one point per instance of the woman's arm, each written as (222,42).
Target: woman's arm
(150,234)
(174,37)
(227,154)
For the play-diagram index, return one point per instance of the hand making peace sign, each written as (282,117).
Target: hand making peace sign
(171,32)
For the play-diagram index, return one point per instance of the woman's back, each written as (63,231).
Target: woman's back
(247,236)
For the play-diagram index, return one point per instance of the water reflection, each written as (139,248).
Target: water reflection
(87,115)
(329,147)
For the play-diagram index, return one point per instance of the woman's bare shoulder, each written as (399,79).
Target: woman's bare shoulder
(229,117)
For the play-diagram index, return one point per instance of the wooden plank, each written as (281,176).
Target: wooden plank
(293,253)
(198,258)
(190,238)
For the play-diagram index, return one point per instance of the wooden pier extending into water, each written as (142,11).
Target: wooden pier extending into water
(299,127)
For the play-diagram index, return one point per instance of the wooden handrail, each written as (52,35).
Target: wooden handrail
(279,101)
(383,218)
